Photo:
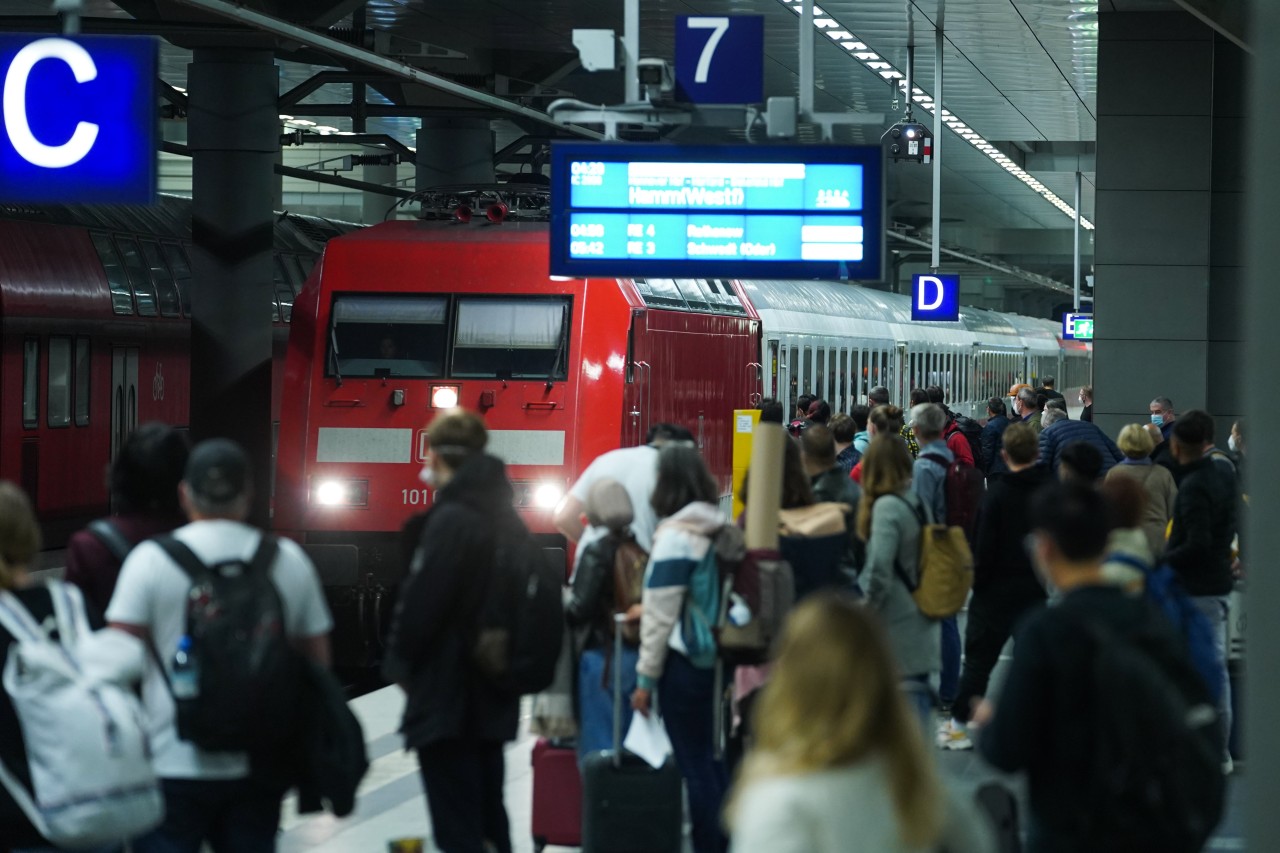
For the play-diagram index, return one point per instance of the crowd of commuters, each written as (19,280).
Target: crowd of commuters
(834,732)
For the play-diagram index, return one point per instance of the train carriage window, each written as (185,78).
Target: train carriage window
(181,274)
(693,294)
(59,400)
(144,292)
(165,288)
(660,292)
(284,293)
(121,295)
(404,335)
(31,383)
(512,338)
(82,381)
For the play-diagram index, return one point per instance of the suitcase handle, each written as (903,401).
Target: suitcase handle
(619,619)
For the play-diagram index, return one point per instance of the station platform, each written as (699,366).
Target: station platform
(391,803)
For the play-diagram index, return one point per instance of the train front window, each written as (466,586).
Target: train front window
(387,336)
(512,339)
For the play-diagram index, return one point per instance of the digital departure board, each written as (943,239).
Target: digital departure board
(742,211)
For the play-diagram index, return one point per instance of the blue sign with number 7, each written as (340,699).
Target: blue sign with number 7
(720,59)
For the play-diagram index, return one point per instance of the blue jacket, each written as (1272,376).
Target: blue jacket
(991,438)
(1058,435)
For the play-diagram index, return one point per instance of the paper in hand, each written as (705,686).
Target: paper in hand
(648,739)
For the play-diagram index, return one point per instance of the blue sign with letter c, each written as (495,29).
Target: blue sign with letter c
(935,297)
(78,119)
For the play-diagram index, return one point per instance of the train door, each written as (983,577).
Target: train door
(124,395)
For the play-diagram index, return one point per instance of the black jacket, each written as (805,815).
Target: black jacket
(435,625)
(991,439)
(835,485)
(1003,523)
(591,600)
(1204,522)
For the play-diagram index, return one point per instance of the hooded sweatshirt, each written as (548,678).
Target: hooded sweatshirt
(679,545)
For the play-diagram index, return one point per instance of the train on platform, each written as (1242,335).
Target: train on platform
(409,318)
(95,306)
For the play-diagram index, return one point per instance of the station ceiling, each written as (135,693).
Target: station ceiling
(1021,76)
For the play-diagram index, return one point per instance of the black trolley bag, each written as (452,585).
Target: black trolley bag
(629,807)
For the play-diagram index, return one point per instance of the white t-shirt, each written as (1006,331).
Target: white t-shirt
(636,468)
(152,592)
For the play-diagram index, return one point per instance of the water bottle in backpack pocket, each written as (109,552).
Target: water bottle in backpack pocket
(88,752)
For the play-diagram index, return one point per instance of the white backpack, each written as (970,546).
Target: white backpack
(85,735)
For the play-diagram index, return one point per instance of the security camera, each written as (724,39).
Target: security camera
(656,78)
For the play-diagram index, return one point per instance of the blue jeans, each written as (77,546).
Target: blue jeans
(232,815)
(949,682)
(688,704)
(919,696)
(595,699)
(1214,607)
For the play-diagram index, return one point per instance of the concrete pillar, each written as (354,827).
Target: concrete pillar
(1168,200)
(1259,308)
(454,151)
(374,206)
(233,139)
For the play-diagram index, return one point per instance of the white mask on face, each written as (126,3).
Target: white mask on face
(1231,443)
(428,476)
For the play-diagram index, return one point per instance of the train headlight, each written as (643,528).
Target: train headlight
(547,495)
(445,396)
(340,492)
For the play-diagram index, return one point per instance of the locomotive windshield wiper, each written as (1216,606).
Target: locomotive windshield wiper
(333,353)
(560,347)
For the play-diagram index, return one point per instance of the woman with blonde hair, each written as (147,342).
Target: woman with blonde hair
(837,750)
(890,517)
(1136,444)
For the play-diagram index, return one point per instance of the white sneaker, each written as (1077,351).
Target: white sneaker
(1228,766)
(953,735)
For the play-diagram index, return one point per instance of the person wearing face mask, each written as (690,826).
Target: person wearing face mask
(455,719)
(1162,415)
(1086,400)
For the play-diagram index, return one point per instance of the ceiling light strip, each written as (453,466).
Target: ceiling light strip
(833,30)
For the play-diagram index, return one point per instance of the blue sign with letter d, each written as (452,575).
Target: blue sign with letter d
(935,296)
(79,121)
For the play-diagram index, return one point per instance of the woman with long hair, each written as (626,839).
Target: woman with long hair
(890,518)
(677,653)
(837,750)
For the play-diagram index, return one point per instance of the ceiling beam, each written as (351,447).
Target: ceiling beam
(290,99)
(308,175)
(369,59)
(1229,19)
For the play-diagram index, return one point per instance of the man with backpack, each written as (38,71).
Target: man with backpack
(225,610)
(453,645)
(1102,707)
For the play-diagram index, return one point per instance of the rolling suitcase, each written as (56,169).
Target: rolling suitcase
(557,796)
(629,807)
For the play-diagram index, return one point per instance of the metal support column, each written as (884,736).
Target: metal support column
(1075,277)
(938,127)
(234,136)
(1258,359)
(454,151)
(375,205)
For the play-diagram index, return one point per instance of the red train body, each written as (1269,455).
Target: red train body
(562,370)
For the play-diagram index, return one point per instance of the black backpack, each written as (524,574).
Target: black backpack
(521,624)
(1156,777)
(972,432)
(249,676)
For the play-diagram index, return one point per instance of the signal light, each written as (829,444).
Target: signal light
(462,214)
(445,396)
(496,212)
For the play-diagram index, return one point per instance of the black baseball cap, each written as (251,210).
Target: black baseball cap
(218,470)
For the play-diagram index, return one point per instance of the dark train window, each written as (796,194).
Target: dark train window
(284,293)
(59,382)
(512,338)
(144,292)
(181,274)
(31,383)
(165,287)
(121,295)
(83,352)
(402,335)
